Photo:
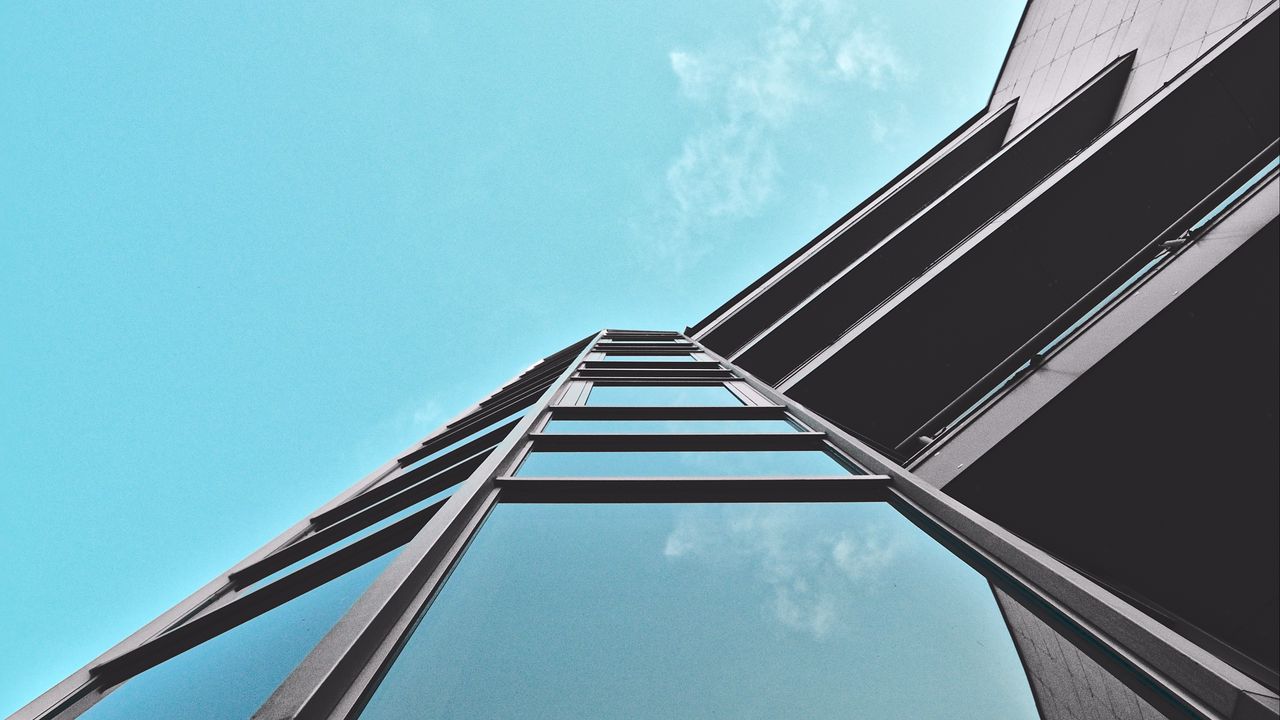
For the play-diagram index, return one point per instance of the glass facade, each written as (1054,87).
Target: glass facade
(685,463)
(638,609)
(662,395)
(533,598)
(231,675)
(787,610)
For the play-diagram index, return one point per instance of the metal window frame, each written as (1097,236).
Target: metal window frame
(734,385)
(341,671)
(339,675)
(222,598)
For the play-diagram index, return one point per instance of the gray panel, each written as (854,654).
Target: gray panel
(1214,37)
(1167,34)
(1114,14)
(1194,24)
(1178,60)
(1228,13)
(1070,36)
(1164,27)
(1092,26)
(1054,39)
(1068,684)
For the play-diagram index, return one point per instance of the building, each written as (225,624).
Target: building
(1001,442)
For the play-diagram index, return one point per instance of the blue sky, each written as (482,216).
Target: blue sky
(248,251)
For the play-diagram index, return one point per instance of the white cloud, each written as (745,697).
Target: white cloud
(745,99)
(880,130)
(888,128)
(425,417)
(727,171)
(811,578)
(694,75)
(869,58)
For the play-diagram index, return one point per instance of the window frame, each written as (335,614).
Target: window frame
(343,671)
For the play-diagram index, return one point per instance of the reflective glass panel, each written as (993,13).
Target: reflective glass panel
(611,427)
(688,463)
(661,395)
(743,611)
(649,358)
(231,675)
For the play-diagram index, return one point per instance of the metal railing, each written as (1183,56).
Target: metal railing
(1031,354)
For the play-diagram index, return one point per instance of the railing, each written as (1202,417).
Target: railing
(1031,354)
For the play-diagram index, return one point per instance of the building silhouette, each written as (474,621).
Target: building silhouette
(1000,442)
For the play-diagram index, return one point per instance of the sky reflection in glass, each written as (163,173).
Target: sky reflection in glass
(662,395)
(685,463)
(231,675)
(744,611)
(610,427)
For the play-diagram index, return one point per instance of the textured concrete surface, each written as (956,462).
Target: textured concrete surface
(1062,43)
(1068,684)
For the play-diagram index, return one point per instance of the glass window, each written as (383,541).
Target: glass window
(621,427)
(661,395)
(685,463)
(749,611)
(649,358)
(231,675)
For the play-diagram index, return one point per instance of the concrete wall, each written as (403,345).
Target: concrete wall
(1068,684)
(1061,43)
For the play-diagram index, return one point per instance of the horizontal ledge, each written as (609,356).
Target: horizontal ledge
(671,369)
(647,377)
(244,608)
(491,414)
(623,348)
(652,364)
(689,479)
(394,486)
(682,412)
(587,442)
(331,535)
(657,340)
(649,353)
(656,368)
(486,440)
(693,489)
